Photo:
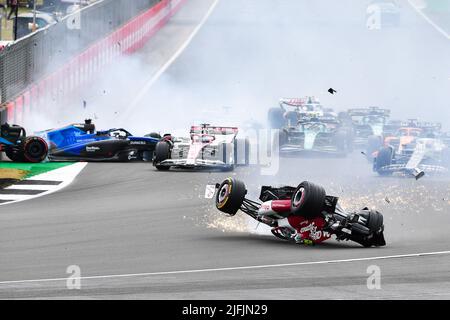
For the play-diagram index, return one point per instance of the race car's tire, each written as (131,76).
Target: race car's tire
(230,196)
(308,200)
(292,118)
(374,221)
(35,149)
(374,143)
(15,155)
(275,118)
(162,152)
(383,159)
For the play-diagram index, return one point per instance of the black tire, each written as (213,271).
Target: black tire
(276,118)
(35,149)
(292,118)
(374,143)
(15,155)
(230,196)
(162,152)
(375,221)
(383,159)
(308,200)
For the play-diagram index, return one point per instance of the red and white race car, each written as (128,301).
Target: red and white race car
(207,147)
(304,214)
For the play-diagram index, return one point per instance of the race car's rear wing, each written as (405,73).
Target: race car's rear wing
(293,102)
(376,111)
(213,130)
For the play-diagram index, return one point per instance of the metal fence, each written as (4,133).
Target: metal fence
(43,52)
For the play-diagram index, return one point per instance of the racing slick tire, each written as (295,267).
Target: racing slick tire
(374,143)
(308,200)
(383,159)
(230,196)
(162,152)
(276,118)
(35,149)
(374,221)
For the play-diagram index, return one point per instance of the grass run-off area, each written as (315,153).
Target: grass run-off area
(16,170)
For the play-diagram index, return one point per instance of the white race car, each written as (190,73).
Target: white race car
(207,147)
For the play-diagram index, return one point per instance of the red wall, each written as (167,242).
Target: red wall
(129,38)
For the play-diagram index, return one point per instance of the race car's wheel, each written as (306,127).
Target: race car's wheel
(383,159)
(15,155)
(308,200)
(374,143)
(230,196)
(162,152)
(374,221)
(35,149)
(276,119)
(292,118)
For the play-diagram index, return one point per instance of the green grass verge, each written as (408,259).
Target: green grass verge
(34,168)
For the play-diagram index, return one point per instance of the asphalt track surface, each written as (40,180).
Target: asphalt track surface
(128,226)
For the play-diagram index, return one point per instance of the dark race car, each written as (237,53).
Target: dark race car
(293,109)
(83,142)
(304,214)
(19,147)
(316,134)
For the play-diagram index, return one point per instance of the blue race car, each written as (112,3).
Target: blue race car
(83,142)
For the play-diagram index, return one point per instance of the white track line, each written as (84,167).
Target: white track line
(32,187)
(281,265)
(155,77)
(434,25)
(65,174)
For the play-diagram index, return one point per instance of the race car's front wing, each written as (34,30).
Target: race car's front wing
(197,163)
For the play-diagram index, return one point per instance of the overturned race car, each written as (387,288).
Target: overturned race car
(304,214)
(208,147)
